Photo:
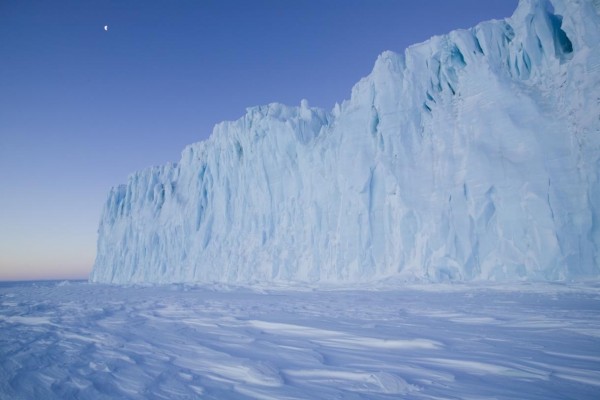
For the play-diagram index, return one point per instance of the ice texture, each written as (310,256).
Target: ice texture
(473,156)
(502,341)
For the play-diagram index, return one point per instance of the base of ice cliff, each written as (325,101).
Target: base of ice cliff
(472,156)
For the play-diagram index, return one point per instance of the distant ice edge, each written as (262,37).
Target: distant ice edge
(473,156)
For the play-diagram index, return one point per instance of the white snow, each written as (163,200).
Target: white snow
(472,156)
(461,341)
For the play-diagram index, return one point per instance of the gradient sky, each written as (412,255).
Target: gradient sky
(81,108)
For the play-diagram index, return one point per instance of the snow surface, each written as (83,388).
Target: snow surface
(461,341)
(472,156)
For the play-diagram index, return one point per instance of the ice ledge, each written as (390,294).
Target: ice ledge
(422,173)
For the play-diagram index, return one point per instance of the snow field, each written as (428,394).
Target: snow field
(88,341)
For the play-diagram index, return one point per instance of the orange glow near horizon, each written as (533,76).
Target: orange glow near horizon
(36,268)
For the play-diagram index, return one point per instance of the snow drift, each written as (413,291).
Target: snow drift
(473,156)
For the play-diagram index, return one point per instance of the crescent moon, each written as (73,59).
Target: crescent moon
(105,27)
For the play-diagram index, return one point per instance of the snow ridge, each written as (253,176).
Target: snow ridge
(472,156)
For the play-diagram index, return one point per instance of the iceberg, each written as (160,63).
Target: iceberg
(472,156)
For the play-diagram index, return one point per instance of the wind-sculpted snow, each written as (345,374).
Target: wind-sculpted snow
(88,341)
(473,156)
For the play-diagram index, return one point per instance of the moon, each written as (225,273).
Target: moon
(105,27)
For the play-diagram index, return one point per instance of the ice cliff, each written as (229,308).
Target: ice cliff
(472,156)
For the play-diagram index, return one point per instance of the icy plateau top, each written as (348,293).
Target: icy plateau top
(472,156)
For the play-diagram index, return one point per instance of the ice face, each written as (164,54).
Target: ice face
(473,156)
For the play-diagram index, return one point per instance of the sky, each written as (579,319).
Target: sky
(82,107)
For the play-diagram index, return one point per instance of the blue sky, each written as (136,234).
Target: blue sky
(81,108)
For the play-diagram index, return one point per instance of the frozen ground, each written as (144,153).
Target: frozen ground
(87,341)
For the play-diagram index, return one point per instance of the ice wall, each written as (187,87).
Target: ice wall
(473,156)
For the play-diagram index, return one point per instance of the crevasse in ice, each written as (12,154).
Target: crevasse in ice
(472,156)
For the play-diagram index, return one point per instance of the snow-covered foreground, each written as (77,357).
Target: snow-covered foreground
(80,340)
